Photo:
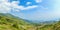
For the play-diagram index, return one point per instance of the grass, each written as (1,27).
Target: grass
(14,23)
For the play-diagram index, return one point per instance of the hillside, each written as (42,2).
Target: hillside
(10,22)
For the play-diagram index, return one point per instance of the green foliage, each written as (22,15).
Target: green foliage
(10,22)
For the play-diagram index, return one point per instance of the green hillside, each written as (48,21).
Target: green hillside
(10,22)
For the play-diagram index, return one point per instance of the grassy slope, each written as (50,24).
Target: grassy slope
(10,22)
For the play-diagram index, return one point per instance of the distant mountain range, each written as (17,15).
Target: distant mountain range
(11,22)
(30,21)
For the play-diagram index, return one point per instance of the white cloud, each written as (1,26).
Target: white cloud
(45,13)
(28,3)
(24,8)
(38,1)
(6,6)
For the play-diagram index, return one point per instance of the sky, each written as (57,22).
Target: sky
(40,10)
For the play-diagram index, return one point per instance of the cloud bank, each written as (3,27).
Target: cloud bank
(6,6)
(51,12)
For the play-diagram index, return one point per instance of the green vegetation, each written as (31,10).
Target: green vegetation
(10,22)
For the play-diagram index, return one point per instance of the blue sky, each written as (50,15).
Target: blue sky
(44,10)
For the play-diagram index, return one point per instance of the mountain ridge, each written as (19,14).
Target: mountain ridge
(10,22)
(13,22)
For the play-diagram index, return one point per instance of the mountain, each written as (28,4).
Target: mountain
(10,22)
